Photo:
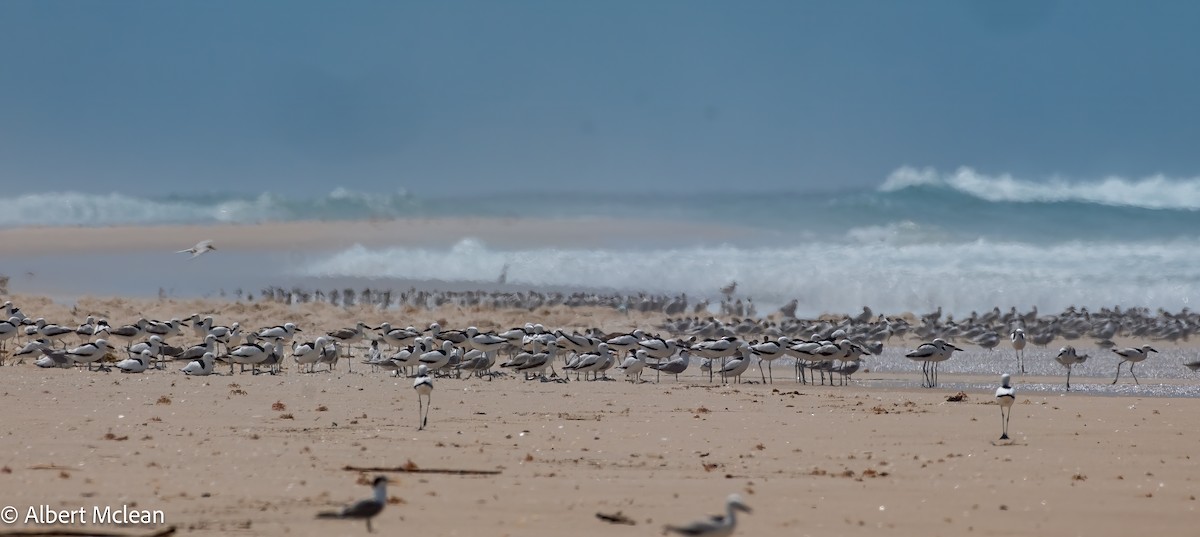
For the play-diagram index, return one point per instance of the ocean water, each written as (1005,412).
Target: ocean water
(920,239)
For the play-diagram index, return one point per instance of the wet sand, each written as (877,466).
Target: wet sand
(292,236)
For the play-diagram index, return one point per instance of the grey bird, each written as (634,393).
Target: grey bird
(717,526)
(363,509)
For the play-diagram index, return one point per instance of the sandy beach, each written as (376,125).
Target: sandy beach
(261,455)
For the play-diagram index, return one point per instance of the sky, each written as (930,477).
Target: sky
(482,96)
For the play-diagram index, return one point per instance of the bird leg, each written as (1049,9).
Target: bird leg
(1004,424)
(1118,372)
(420,413)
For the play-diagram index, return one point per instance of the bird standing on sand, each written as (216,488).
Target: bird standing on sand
(717,526)
(1132,355)
(1068,358)
(201,248)
(1018,343)
(423,385)
(1006,395)
(363,509)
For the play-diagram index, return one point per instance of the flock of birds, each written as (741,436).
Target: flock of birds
(834,348)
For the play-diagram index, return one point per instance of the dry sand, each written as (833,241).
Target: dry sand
(261,455)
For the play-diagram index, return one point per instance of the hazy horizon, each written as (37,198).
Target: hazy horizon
(475,96)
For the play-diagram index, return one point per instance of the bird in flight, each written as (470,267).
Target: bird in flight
(199,249)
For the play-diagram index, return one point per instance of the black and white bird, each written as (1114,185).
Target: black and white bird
(201,248)
(1006,395)
(363,509)
(715,526)
(89,353)
(285,332)
(423,385)
(1132,355)
(201,367)
(136,364)
(769,351)
(309,353)
(930,355)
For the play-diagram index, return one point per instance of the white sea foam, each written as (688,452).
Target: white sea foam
(79,209)
(1153,192)
(825,277)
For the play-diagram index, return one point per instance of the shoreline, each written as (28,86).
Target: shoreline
(333,235)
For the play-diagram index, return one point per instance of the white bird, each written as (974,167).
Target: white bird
(153,344)
(1018,344)
(201,248)
(200,368)
(1006,395)
(1068,358)
(717,526)
(251,354)
(309,353)
(423,385)
(633,365)
(1132,355)
(89,353)
(437,358)
(136,364)
(363,509)
(53,332)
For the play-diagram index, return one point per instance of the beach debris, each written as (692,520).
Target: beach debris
(411,468)
(616,518)
(957,398)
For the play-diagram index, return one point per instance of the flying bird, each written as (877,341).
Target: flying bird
(199,249)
